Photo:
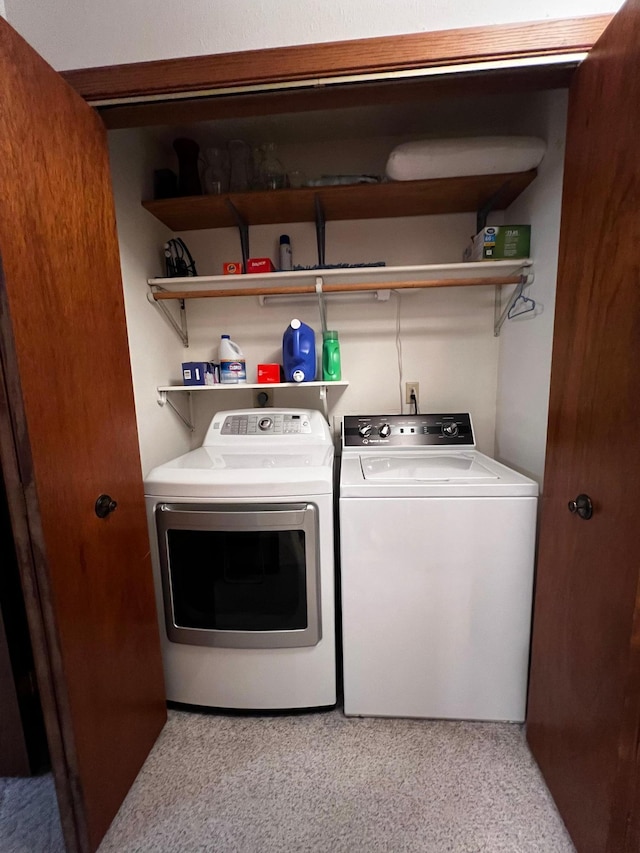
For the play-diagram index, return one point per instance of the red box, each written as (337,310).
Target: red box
(232,268)
(260,265)
(268,374)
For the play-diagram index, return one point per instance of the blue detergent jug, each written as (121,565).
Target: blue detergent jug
(299,352)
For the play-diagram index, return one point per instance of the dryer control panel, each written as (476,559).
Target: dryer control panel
(375,431)
(269,423)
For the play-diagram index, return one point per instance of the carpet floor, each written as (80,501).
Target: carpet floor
(317,782)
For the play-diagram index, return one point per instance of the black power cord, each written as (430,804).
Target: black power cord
(178,260)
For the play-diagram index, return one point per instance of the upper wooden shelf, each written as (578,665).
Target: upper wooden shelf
(356,201)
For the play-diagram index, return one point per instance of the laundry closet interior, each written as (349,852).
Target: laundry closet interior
(442,337)
(457,342)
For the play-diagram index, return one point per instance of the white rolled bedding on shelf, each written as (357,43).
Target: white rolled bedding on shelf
(451,158)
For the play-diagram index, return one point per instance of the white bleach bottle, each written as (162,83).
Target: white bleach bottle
(233,369)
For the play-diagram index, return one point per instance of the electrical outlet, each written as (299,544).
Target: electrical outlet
(261,399)
(412,387)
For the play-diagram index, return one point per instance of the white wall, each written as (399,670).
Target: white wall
(525,342)
(445,334)
(77,34)
(153,345)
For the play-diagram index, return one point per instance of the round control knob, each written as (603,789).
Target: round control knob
(385,431)
(265,424)
(365,430)
(450,429)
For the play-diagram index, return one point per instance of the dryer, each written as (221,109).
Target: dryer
(437,550)
(242,550)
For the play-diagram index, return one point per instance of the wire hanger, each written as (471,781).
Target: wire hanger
(521,305)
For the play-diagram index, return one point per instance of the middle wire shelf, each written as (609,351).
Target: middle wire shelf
(325,282)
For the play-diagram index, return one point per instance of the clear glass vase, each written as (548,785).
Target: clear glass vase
(270,172)
(241,166)
(215,175)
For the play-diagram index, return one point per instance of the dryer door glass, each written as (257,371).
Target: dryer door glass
(242,576)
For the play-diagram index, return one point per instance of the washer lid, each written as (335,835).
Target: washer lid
(424,468)
(464,473)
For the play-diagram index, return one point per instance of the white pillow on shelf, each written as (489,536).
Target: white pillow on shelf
(453,158)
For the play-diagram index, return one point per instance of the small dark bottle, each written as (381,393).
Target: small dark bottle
(188,153)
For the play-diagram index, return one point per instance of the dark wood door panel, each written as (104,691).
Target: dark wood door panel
(72,401)
(581,695)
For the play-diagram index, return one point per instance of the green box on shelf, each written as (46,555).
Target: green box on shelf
(500,243)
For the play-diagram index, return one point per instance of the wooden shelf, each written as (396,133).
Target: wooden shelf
(356,201)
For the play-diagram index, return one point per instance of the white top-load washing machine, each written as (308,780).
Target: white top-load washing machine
(437,551)
(242,549)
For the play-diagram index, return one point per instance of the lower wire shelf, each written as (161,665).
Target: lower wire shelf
(323,386)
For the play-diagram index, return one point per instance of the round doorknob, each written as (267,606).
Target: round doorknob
(105,505)
(582,506)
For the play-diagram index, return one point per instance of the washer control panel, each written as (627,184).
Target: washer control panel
(374,431)
(261,423)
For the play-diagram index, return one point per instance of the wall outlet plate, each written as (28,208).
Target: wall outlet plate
(409,387)
(259,401)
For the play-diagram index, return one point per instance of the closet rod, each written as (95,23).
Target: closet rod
(337,288)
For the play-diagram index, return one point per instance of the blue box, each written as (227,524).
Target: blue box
(200,373)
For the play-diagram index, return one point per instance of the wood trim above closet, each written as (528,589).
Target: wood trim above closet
(276,102)
(362,56)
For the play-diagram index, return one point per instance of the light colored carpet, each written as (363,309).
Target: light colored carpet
(323,782)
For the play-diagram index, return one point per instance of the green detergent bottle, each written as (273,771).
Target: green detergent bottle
(331,357)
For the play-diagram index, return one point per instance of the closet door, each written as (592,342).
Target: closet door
(584,707)
(67,436)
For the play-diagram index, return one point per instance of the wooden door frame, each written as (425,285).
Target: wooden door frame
(184,89)
(15,461)
(342,58)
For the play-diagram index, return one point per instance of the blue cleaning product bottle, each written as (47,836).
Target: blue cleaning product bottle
(299,352)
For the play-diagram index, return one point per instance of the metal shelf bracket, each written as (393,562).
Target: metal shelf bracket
(163,400)
(243,228)
(324,401)
(490,204)
(179,326)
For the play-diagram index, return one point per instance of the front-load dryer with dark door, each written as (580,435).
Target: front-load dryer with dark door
(437,547)
(242,549)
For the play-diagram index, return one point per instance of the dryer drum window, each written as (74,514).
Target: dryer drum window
(240,576)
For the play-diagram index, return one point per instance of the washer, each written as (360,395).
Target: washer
(242,550)
(437,550)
